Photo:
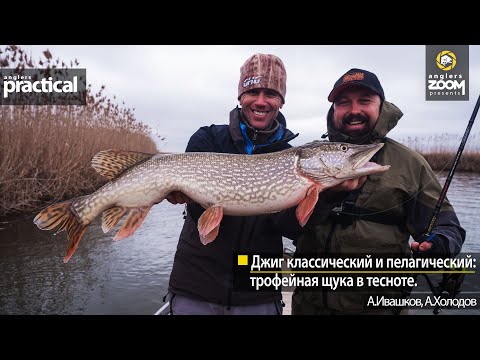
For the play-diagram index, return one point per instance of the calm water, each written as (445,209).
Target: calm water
(129,276)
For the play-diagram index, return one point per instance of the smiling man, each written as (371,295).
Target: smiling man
(385,211)
(202,279)
(261,92)
(201,282)
(357,99)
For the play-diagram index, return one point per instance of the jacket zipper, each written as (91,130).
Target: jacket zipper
(254,138)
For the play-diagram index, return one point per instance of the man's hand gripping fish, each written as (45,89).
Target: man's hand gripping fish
(224,184)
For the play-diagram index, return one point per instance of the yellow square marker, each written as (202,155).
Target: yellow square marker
(242,259)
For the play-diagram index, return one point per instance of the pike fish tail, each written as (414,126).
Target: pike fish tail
(75,215)
(61,217)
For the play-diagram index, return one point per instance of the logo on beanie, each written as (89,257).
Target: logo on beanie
(352,77)
(446,60)
(252,80)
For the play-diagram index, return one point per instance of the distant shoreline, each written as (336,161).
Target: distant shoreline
(469,162)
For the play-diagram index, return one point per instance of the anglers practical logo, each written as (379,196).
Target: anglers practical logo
(447,73)
(51,86)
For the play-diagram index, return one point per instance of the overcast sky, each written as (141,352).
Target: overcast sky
(177,89)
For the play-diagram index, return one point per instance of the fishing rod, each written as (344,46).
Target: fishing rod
(441,199)
(451,281)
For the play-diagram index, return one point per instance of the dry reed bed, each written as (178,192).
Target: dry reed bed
(45,151)
(468,162)
(440,150)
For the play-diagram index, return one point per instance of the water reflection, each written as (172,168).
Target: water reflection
(129,276)
(464,194)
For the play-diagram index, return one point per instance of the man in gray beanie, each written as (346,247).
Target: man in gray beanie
(202,278)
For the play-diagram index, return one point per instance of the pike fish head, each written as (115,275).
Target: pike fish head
(330,163)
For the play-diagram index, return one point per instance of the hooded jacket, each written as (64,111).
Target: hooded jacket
(206,272)
(408,191)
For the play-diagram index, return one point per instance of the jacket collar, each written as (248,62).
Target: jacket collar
(236,133)
(259,136)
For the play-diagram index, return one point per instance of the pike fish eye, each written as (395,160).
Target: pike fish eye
(343,147)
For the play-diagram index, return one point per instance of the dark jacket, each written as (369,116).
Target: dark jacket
(206,272)
(408,191)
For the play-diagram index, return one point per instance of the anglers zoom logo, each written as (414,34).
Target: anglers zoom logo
(447,72)
(43,86)
(446,60)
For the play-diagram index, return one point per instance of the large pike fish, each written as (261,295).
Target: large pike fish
(227,184)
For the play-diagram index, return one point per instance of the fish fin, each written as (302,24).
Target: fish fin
(60,216)
(306,206)
(209,223)
(111,217)
(75,233)
(212,235)
(132,222)
(111,163)
(52,216)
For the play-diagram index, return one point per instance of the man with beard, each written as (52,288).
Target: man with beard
(381,215)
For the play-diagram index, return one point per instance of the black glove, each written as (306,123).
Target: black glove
(439,247)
